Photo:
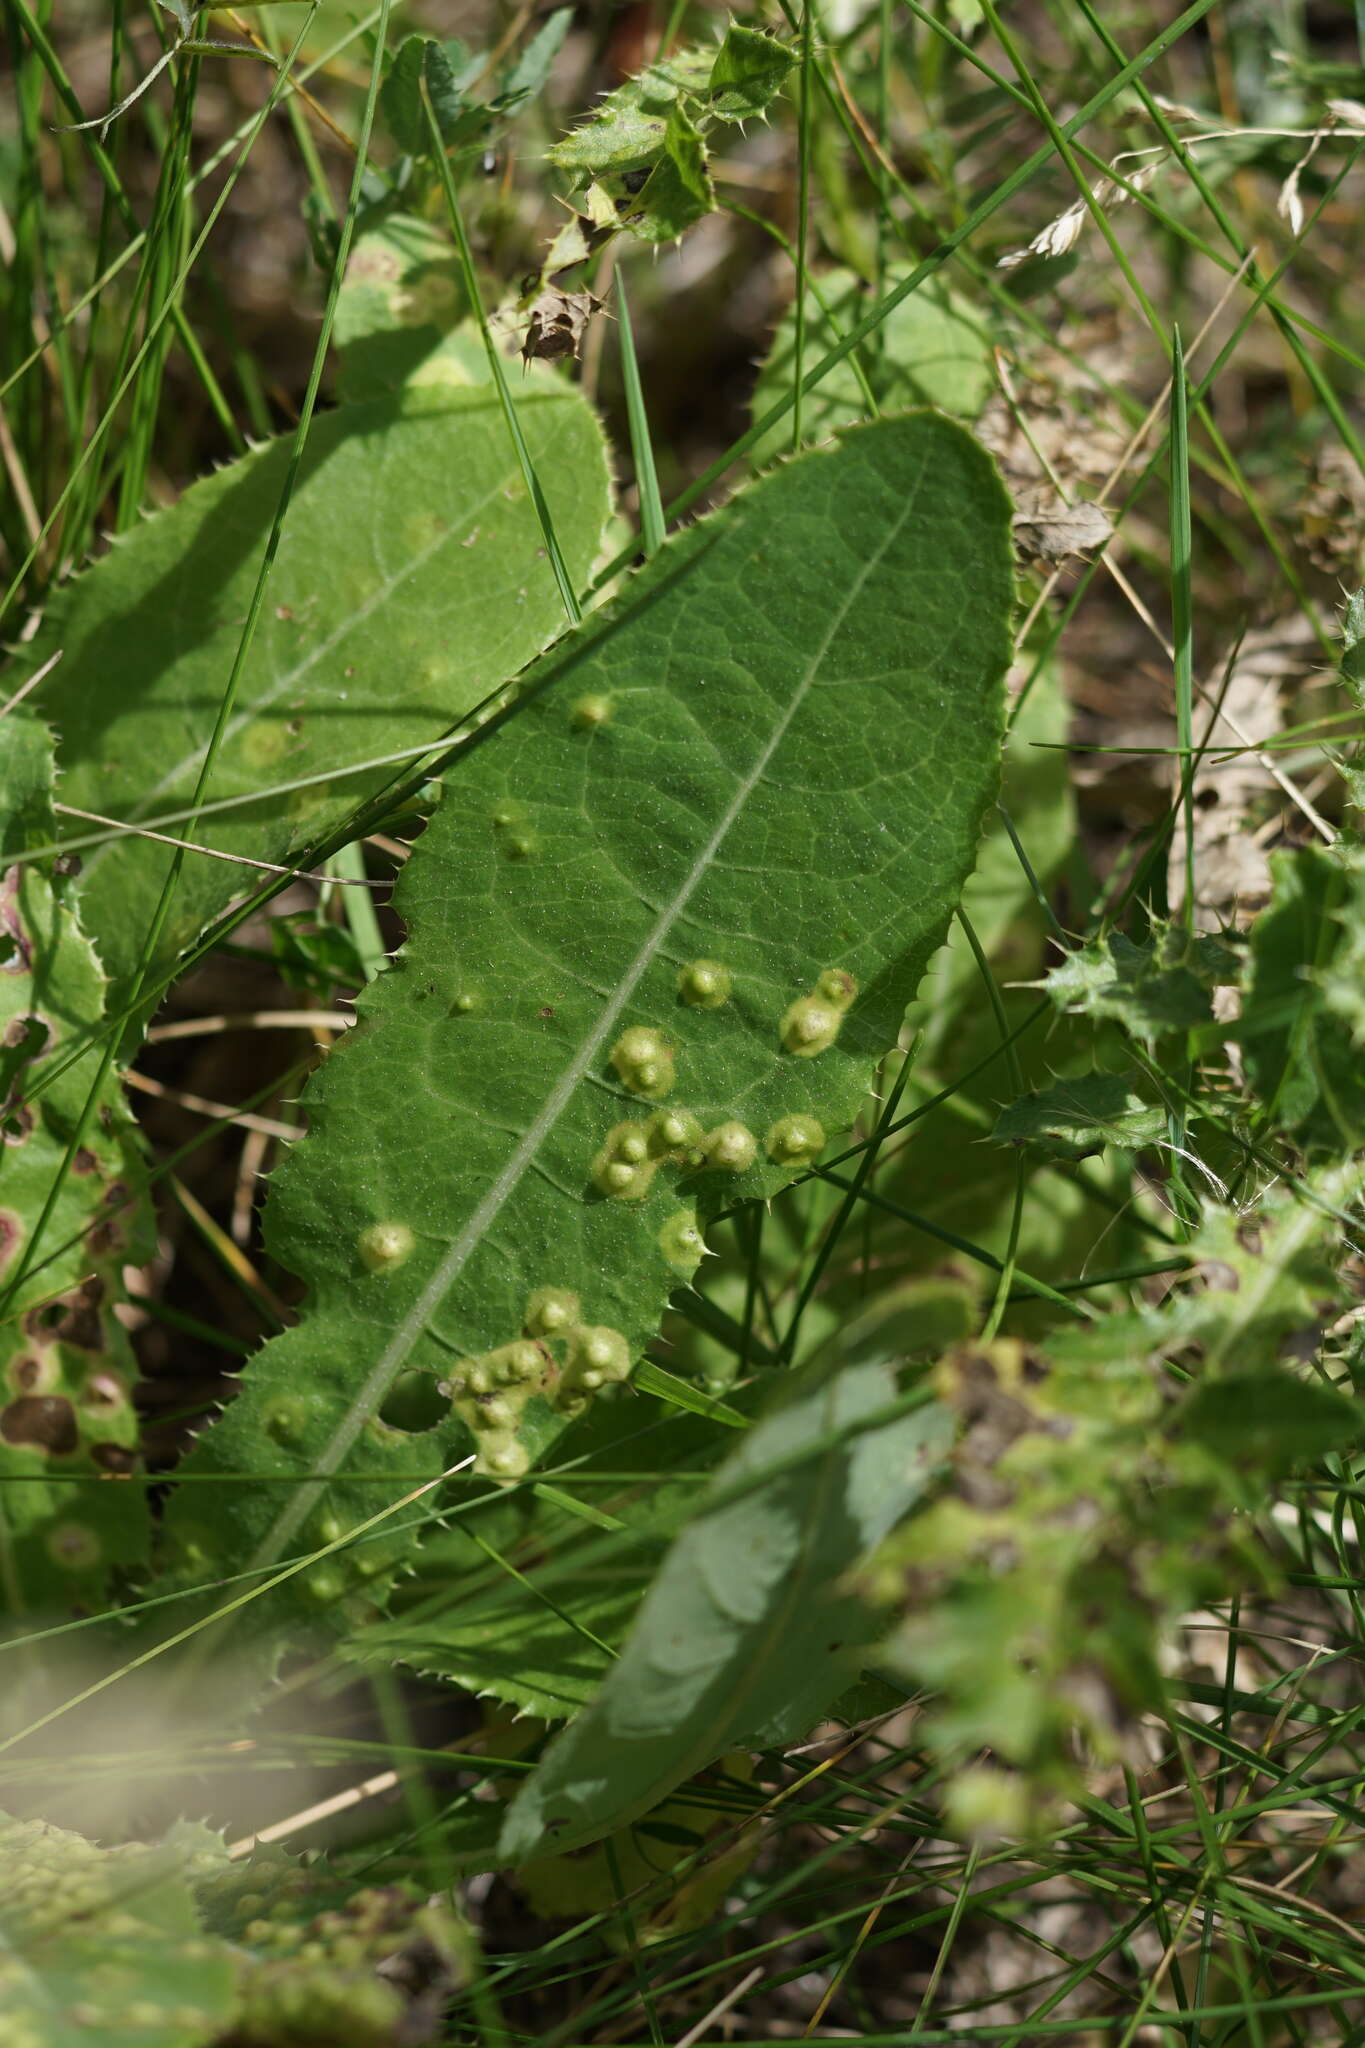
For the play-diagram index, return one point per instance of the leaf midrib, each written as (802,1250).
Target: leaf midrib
(391,1360)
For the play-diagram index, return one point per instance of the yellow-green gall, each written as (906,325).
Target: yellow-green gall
(811,1026)
(324,1585)
(731,1147)
(682,1243)
(837,987)
(502,1457)
(384,1247)
(673,1130)
(591,711)
(511,1365)
(596,1356)
(795,1139)
(551,1311)
(624,1168)
(705,984)
(286,1420)
(643,1060)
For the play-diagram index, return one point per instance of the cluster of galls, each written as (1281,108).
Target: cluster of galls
(376,1970)
(632,1153)
(491,1391)
(813,1022)
(61,1890)
(644,1063)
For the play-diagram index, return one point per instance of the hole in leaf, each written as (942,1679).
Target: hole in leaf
(414,1404)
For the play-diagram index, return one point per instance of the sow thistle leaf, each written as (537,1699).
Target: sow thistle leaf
(409,584)
(748,1632)
(1164,985)
(70,1507)
(749,72)
(642,154)
(664,923)
(541,1641)
(1077,1118)
(1095,1499)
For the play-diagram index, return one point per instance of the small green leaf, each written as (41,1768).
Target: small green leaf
(678,191)
(533,66)
(419,62)
(626,133)
(1164,985)
(1075,1119)
(410,583)
(747,1633)
(749,72)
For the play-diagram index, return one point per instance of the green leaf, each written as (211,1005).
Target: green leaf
(410,583)
(930,350)
(748,1632)
(1075,1119)
(400,311)
(172,1946)
(420,61)
(1353,648)
(749,72)
(1301,1050)
(68,1428)
(1094,1499)
(532,68)
(105,1944)
(1165,985)
(676,193)
(626,133)
(541,1642)
(799,696)
(1343,980)
(1270,1420)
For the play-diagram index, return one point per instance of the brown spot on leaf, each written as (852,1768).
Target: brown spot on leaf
(116,1458)
(44,1422)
